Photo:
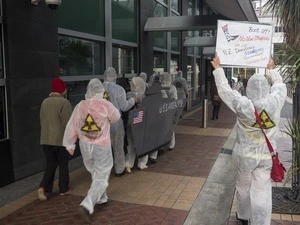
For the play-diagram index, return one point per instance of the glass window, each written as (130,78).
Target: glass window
(80,57)
(3,133)
(76,91)
(160,38)
(89,19)
(174,5)
(124,59)
(175,38)
(174,64)
(160,60)
(124,20)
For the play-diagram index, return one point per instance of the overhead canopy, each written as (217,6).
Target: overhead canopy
(177,23)
(200,41)
(241,10)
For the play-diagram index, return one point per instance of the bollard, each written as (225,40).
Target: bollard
(204,113)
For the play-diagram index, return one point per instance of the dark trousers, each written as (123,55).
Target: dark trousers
(216,109)
(56,156)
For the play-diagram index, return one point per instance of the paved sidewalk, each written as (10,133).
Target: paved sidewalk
(191,185)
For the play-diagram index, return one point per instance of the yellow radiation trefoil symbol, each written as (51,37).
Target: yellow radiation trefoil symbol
(90,125)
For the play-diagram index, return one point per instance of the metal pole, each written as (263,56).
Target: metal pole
(204,113)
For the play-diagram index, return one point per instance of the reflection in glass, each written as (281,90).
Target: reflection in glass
(76,91)
(159,62)
(123,60)
(124,20)
(174,5)
(160,38)
(3,133)
(78,57)
(82,16)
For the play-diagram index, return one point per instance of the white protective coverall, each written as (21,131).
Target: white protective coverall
(168,91)
(117,96)
(138,88)
(251,153)
(90,122)
(181,85)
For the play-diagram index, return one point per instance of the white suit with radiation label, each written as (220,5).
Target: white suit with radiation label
(251,153)
(117,96)
(90,123)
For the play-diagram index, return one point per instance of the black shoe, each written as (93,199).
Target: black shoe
(244,222)
(84,214)
(212,118)
(152,161)
(120,174)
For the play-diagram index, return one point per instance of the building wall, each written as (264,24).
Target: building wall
(31,61)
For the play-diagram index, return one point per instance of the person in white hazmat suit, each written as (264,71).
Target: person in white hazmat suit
(251,154)
(138,88)
(117,96)
(168,91)
(90,123)
(181,85)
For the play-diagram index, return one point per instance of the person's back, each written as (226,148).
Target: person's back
(117,96)
(90,122)
(55,112)
(251,153)
(181,85)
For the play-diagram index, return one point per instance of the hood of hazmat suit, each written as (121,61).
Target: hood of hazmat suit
(168,90)
(110,75)
(143,76)
(138,87)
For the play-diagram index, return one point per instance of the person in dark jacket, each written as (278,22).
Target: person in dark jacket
(54,115)
(215,100)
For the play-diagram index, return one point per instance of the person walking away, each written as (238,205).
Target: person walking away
(90,123)
(55,112)
(117,96)
(138,88)
(215,100)
(168,91)
(181,85)
(251,154)
(144,76)
(242,89)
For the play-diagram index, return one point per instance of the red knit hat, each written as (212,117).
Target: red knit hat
(58,85)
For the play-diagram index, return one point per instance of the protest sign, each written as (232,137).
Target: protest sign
(244,44)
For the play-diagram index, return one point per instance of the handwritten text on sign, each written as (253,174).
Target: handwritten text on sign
(244,44)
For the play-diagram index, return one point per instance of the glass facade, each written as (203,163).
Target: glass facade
(160,62)
(124,59)
(124,20)
(89,17)
(76,91)
(160,38)
(80,57)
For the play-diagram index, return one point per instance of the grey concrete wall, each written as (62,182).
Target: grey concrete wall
(31,61)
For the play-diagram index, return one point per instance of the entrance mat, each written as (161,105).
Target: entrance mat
(282,201)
